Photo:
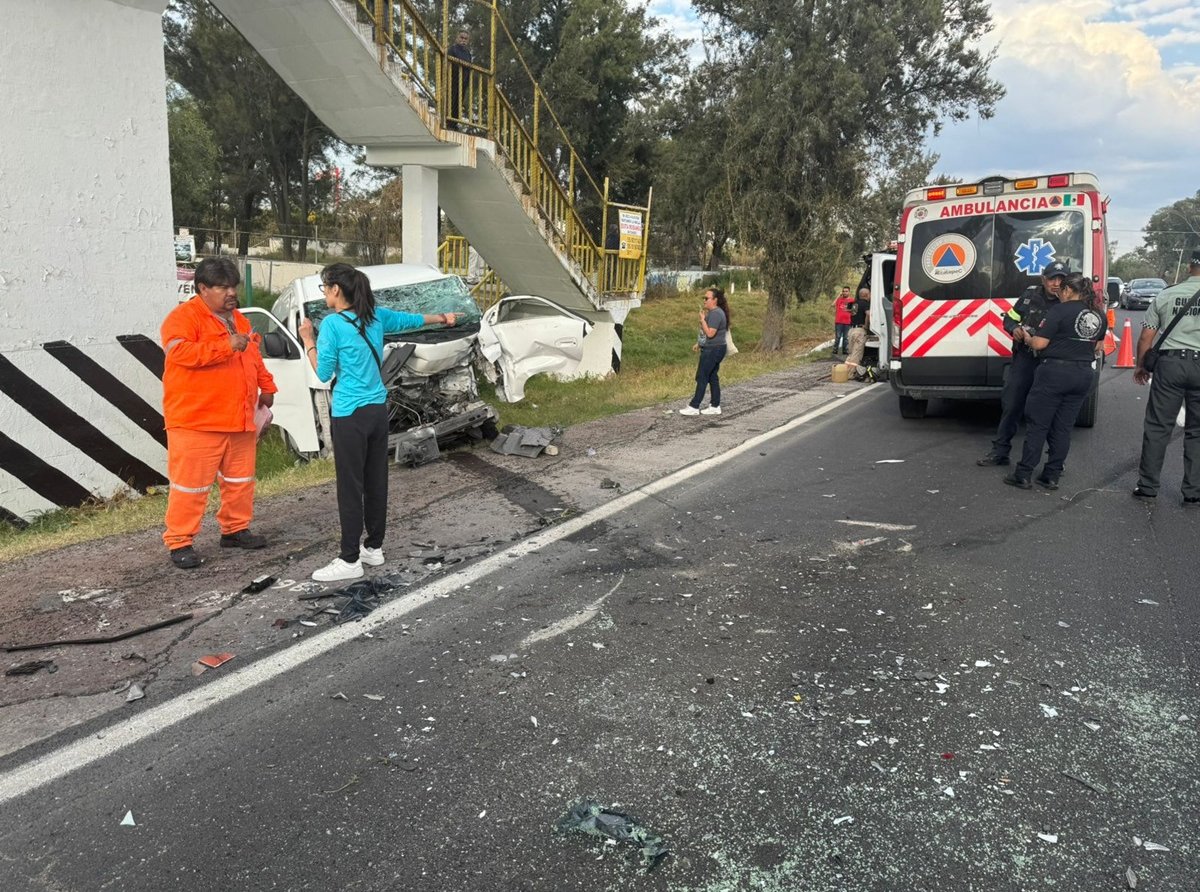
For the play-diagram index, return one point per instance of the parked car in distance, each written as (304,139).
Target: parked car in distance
(1116,285)
(1140,292)
(433,396)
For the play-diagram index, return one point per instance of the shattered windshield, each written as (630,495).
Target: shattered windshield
(447,295)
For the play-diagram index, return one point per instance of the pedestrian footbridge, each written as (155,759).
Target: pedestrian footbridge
(479,139)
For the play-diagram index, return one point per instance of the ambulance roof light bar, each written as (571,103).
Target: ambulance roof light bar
(1058,181)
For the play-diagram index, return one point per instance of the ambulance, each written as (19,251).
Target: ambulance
(965,253)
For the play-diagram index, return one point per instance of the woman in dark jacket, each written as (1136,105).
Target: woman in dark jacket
(1067,345)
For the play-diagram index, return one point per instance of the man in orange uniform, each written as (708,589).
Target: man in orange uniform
(214,381)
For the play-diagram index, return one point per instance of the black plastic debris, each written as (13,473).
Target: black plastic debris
(589,816)
(259,584)
(608,483)
(526,441)
(31,667)
(362,597)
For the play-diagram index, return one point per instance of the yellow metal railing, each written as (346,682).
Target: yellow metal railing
(467,97)
(454,257)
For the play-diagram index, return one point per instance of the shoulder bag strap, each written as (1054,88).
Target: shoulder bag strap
(362,330)
(1179,315)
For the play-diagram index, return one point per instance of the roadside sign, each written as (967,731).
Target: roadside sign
(185,248)
(631,234)
(185,283)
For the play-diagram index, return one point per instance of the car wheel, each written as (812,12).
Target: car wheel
(1087,412)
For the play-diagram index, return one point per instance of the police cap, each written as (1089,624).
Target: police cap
(1057,268)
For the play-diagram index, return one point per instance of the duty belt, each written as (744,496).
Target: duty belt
(1183,354)
(1087,362)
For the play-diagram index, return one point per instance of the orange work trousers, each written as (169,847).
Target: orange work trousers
(194,460)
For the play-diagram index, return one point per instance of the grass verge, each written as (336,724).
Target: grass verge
(657,365)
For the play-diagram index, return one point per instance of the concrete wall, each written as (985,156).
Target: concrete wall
(86,255)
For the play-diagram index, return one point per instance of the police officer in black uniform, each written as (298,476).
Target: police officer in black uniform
(1067,344)
(1025,316)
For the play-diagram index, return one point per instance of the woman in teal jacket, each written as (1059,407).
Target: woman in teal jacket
(350,347)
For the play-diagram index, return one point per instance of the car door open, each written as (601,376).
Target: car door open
(524,336)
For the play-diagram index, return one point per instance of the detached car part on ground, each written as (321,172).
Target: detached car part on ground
(433,397)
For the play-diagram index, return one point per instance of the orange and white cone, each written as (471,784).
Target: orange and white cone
(1125,356)
(1110,339)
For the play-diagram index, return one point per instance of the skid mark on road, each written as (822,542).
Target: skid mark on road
(571,622)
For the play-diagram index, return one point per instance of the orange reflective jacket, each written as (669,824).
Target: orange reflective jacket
(207,386)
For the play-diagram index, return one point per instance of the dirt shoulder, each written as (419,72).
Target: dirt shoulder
(436,520)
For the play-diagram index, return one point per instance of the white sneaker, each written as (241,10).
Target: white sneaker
(337,570)
(372,557)
(711,410)
(688,410)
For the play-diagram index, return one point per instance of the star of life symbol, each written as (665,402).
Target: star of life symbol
(1034,256)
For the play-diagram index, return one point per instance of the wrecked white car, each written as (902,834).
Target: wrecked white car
(429,373)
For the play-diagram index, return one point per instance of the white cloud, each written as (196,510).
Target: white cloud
(1095,96)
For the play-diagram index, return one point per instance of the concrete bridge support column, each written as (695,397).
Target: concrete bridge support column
(419,214)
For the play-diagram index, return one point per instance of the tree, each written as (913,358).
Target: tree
(1172,234)
(195,170)
(603,67)
(828,98)
(268,141)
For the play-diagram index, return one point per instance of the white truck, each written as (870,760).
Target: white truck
(429,373)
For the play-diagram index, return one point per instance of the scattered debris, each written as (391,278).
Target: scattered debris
(308,622)
(135,693)
(338,696)
(947,756)
(31,667)
(589,816)
(887,527)
(1154,847)
(1091,726)
(1131,878)
(526,441)
(135,655)
(375,697)
(1050,711)
(102,639)
(1148,601)
(259,584)
(1048,837)
(212,661)
(608,483)
(949,791)
(591,452)
(982,664)
(844,819)
(1087,783)
(280,623)
(890,461)
(127,821)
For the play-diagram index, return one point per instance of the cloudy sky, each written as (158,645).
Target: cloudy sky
(1109,86)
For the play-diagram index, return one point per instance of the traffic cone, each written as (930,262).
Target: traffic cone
(1110,339)
(1125,357)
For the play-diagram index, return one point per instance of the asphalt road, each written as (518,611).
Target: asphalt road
(846,659)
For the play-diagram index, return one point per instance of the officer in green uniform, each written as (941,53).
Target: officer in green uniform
(1174,383)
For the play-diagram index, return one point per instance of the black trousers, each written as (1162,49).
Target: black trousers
(1176,383)
(1058,391)
(708,376)
(1012,399)
(360,457)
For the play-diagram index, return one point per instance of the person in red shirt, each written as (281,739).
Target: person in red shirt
(841,320)
(214,381)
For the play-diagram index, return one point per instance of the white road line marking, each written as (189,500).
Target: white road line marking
(890,527)
(571,622)
(61,762)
